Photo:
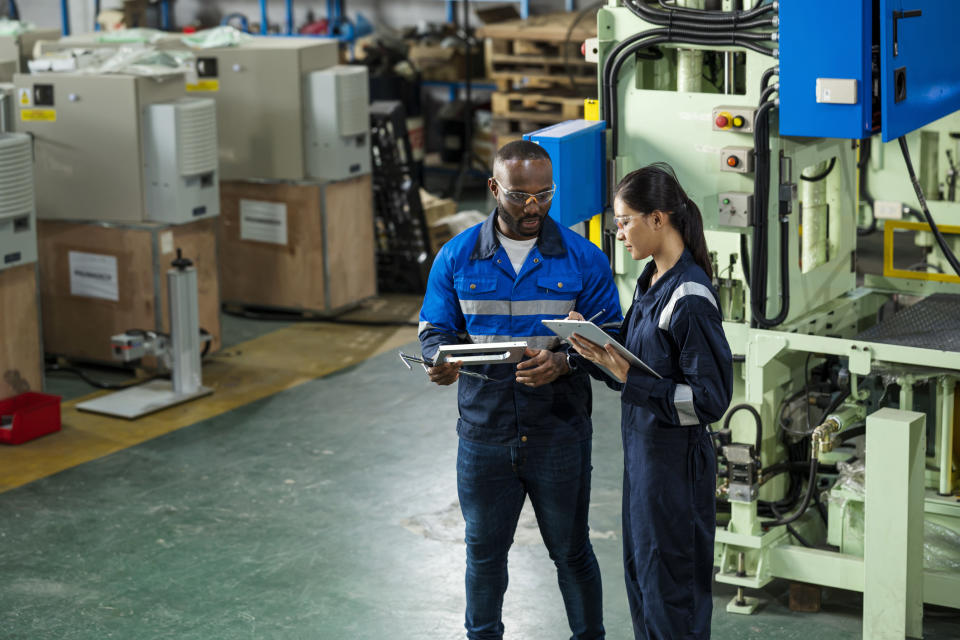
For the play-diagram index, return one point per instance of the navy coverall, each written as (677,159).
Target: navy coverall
(669,513)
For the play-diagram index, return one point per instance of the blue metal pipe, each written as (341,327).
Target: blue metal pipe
(164,14)
(264,27)
(96,14)
(289,17)
(65,16)
(12,8)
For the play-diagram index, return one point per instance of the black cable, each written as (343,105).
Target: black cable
(567,38)
(820,176)
(769,91)
(811,486)
(757,421)
(646,39)
(947,253)
(865,145)
(790,529)
(702,17)
(767,75)
(257,313)
(56,368)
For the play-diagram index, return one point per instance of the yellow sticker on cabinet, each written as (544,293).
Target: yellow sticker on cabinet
(38,115)
(205,85)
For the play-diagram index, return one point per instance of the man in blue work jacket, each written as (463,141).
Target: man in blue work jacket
(527,432)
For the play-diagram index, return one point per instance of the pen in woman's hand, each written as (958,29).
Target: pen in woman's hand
(597,315)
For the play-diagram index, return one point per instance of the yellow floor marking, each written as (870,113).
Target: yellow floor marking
(240,375)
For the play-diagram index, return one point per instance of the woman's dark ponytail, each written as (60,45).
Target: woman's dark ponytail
(656,188)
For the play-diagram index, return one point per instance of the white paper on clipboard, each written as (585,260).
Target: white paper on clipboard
(593,333)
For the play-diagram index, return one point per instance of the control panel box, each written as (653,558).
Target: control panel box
(260,87)
(90,145)
(736,159)
(735,209)
(738,119)
(852,69)
(577,150)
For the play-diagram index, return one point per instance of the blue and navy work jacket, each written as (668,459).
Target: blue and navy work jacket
(474,296)
(675,327)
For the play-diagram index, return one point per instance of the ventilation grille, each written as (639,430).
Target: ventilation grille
(352,99)
(196,136)
(16,175)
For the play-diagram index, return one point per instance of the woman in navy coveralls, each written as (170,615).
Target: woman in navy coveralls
(674,326)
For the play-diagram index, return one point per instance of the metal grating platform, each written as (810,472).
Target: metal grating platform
(932,323)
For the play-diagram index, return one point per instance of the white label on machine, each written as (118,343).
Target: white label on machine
(94,276)
(887,210)
(263,221)
(166,242)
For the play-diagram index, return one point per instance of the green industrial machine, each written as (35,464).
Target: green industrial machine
(848,389)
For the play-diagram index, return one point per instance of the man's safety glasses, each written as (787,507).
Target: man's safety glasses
(522,197)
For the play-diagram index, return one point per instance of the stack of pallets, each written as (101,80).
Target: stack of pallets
(540,72)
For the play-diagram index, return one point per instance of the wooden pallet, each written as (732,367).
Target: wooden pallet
(547,28)
(537,53)
(546,70)
(513,128)
(537,105)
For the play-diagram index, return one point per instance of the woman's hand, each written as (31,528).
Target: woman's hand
(573,315)
(606,356)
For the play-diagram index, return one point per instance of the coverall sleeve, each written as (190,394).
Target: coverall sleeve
(705,363)
(441,320)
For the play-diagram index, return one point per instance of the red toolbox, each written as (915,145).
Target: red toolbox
(28,416)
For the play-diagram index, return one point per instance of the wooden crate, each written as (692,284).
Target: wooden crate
(323,262)
(127,286)
(537,106)
(21,356)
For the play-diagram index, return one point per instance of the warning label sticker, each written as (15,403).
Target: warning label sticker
(38,115)
(204,85)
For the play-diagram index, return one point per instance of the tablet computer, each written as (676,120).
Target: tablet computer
(593,333)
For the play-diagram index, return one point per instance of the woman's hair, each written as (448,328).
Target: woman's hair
(656,188)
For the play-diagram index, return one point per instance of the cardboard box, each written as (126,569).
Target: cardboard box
(299,246)
(446,228)
(445,64)
(21,356)
(99,279)
(435,207)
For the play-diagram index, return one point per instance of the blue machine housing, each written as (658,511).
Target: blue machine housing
(577,149)
(907,51)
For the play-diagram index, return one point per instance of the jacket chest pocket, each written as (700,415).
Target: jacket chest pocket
(567,286)
(475,286)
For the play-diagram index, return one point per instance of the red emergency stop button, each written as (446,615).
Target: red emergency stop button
(733,161)
(722,121)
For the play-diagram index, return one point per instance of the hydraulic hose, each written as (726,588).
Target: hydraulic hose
(767,76)
(712,21)
(621,52)
(757,421)
(811,487)
(820,176)
(941,242)
(700,16)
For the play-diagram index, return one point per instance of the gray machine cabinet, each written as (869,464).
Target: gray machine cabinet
(16,51)
(259,88)
(89,160)
(18,224)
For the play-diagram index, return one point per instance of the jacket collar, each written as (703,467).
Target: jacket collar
(550,240)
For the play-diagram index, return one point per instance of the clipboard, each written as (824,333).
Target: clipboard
(593,333)
(483,353)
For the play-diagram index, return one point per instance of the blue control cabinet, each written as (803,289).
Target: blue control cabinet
(848,73)
(576,148)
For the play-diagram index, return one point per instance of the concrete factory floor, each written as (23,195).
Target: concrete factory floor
(313,496)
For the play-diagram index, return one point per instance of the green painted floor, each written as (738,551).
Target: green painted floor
(326,511)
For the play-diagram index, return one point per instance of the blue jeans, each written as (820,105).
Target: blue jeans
(493,481)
